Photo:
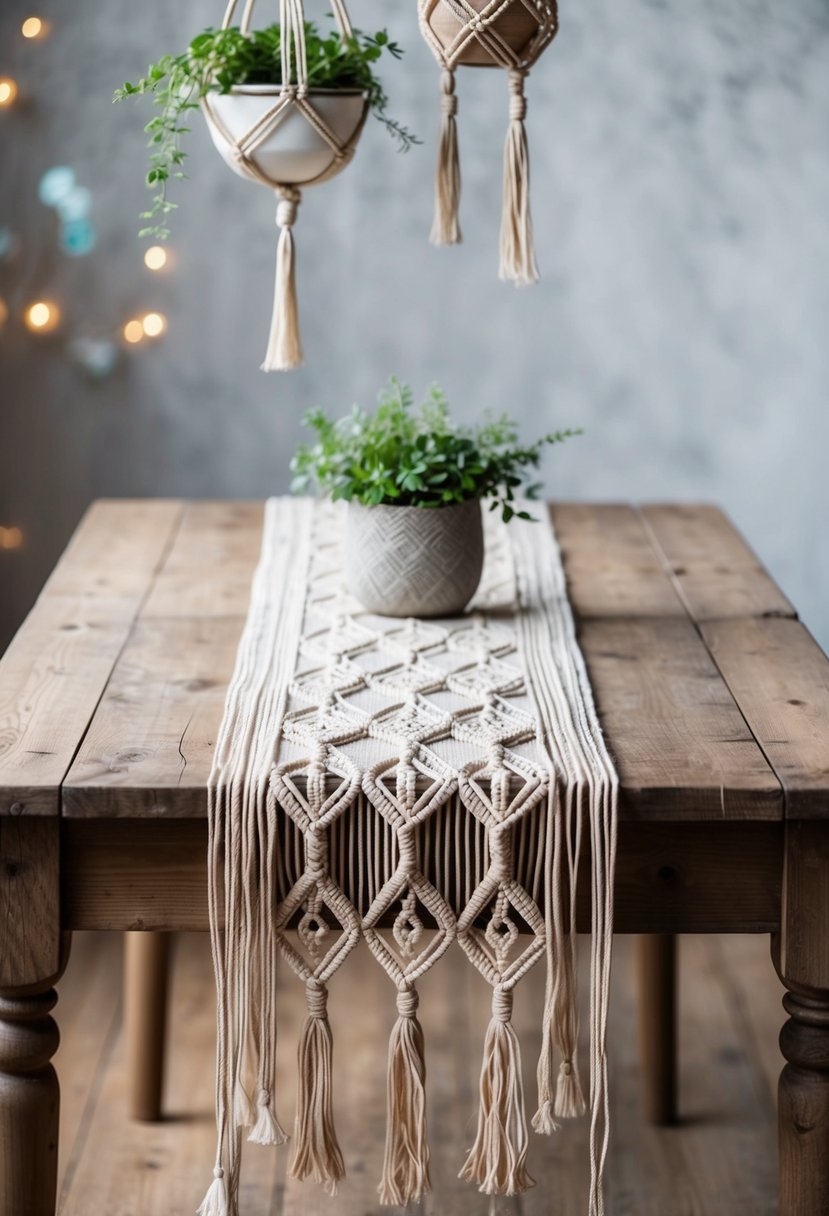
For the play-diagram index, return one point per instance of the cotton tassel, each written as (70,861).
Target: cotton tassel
(267,1128)
(543,1121)
(497,1160)
(215,1202)
(406,1165)
(445,227)
(317,1154)
(284,346)
(517,251)
(570,1103)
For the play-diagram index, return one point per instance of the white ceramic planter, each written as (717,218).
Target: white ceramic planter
(414,561)
(294,153)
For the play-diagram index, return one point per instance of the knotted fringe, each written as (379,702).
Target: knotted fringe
(284,346)
(215,1201)
(497,1160)
(406,1164)
(517,251)
(445,226)
(267,1128)
(560,1004)
(317,1154)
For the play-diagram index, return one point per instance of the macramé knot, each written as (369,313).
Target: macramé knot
(407,1002)
(502,1004)
(286,208)
(218,1172)
(264,1097)
(566,1068)
(448,104)
(517,100)
(316,994)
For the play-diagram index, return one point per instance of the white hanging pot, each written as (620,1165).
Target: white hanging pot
(286,136)
(414,561)
(293,153)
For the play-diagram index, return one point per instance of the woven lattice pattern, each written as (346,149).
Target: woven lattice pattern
(428,783)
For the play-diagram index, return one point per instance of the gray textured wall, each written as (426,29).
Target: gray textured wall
(681,196)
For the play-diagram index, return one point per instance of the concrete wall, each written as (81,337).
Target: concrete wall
(681,196)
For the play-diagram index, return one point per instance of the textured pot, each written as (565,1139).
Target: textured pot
(294,153)
(414,561)
(516,26)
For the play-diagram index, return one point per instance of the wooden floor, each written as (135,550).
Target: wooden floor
(720,1162)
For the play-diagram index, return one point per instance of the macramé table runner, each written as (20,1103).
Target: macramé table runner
(415,784)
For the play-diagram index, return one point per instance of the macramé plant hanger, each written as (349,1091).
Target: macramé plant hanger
(287,136)
(509,34)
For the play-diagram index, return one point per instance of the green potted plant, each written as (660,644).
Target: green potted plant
(414,480)
(237,75)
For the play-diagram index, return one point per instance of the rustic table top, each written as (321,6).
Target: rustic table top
(713,696)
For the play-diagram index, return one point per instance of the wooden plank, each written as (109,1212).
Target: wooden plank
(611,566)
(149,748)
(779,677)
(115,549)
(706,877)
(716,572)
(681,745)
(53,674)
(210,566)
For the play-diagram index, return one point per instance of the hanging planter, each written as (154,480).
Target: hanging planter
(284,106)
(509,34)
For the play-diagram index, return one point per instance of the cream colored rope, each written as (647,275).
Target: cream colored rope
(435,775)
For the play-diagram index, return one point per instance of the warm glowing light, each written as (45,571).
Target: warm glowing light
(4,312)
(155,258)
(133,332)
(32,27)
(11,538)
(8,91)
(42,316)
(154,324)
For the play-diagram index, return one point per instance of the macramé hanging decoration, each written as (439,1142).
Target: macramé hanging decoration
(287,136)
(509,34)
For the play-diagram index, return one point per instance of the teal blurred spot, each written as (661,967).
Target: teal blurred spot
(77,238)
(55,184)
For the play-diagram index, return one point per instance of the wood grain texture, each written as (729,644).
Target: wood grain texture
(611,566)
(149,748)
(209,568)
(146,976)
(780,678)
(55,671)
(716,572)
(30,939)
(670,877)
(681,745)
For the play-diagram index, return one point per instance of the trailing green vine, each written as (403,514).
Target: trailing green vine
(216,60)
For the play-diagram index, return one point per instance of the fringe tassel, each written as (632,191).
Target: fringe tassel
(517,251)
(497,1160)
(543,1121)
(406,1165)
(267,1128)
(317,1154)
(215,1201)
(284,346)
(445,227)
(570,1103)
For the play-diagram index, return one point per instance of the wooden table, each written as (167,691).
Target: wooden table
(714,698)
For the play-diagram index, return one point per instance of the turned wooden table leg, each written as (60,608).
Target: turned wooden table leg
(29,1104)
(33,954)
(146,966)
(656,958)
(801,954)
